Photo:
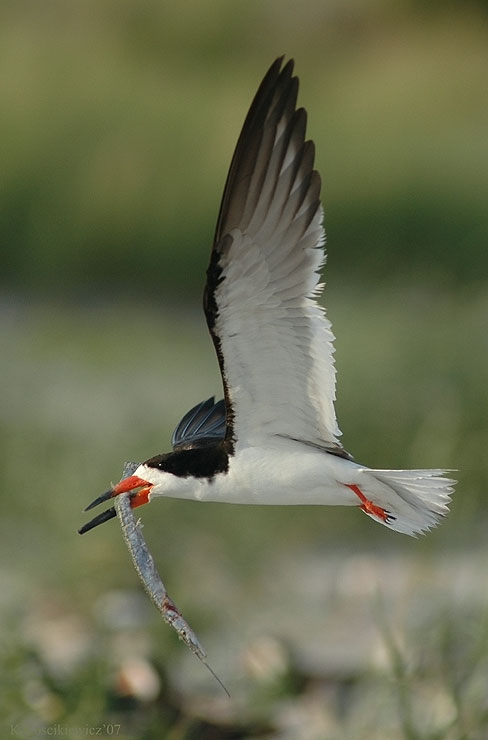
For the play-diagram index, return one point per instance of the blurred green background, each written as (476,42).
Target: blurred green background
(118,120)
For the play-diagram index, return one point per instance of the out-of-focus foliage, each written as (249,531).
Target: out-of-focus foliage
(322,623)
(119,119)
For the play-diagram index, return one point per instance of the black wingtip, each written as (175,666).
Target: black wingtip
(104,497)
(278,62)
(100,519)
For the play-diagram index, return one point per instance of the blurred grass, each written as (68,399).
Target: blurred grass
(87,386)
(119,119)
(118,122)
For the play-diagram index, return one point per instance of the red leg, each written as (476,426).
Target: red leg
(367,505)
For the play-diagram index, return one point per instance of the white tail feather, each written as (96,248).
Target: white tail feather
(415,499)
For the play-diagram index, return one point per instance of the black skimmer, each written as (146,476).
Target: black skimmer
(274,438)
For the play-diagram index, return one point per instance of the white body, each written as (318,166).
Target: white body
(288,472)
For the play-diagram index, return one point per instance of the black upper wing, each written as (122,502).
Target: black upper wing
(204,424)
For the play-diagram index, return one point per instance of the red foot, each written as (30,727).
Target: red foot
(368,505)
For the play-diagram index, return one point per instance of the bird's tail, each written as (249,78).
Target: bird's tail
(414,500)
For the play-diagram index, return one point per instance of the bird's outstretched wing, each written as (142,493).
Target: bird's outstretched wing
(204,424)
(273,341)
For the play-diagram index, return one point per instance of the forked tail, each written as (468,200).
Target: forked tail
(413,500)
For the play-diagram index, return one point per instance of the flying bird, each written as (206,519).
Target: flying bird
(274,438)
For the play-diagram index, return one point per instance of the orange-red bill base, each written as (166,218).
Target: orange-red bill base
(141,491)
